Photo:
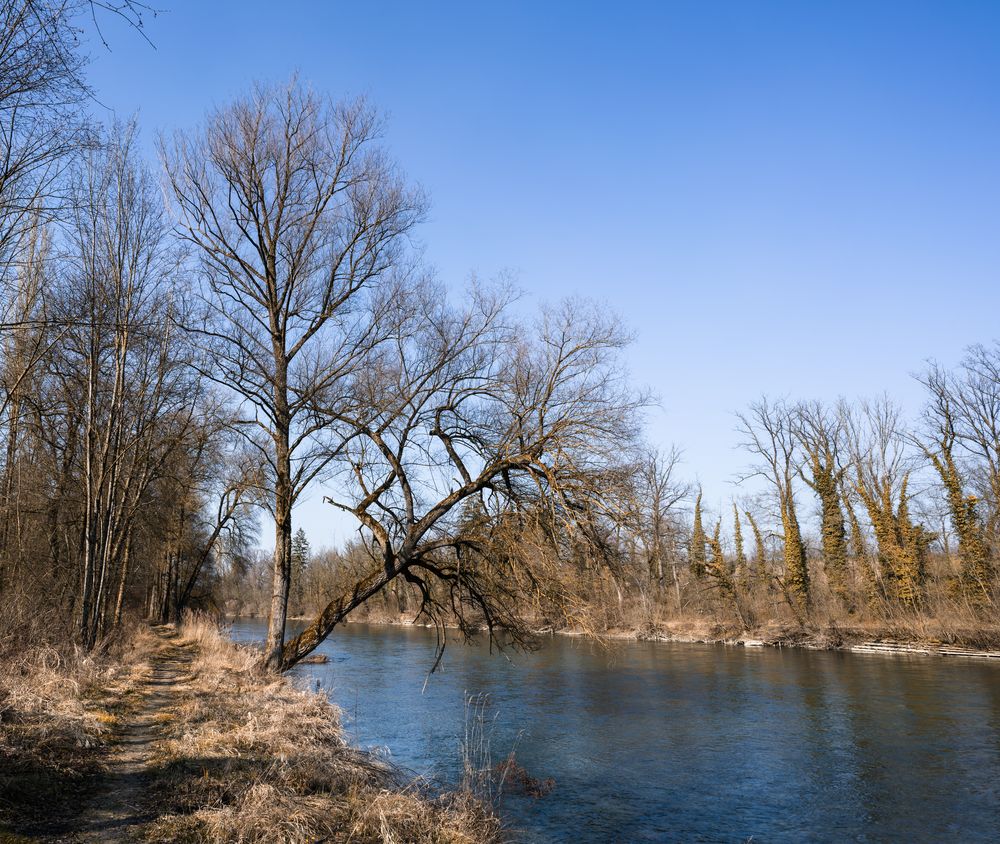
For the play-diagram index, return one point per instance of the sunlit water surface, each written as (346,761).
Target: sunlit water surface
(678,742)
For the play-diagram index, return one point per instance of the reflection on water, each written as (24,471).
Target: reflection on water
(677,742)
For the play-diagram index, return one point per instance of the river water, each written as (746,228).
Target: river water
(682,742)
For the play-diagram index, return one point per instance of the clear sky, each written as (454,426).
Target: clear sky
(801,199)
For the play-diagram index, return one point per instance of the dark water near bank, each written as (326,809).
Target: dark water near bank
(677,742)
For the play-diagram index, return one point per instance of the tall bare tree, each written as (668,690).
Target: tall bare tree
(769,428)
(300,221)
(658,491)
(136,390)
(41,90)
(976,400)
(27,339)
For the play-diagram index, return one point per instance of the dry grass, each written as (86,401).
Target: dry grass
(826,633)
(58,709)
(251,758)
(245,757)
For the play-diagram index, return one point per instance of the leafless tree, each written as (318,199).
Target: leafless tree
(658,492)
(300,221)
(136,391)
(536,427)
(770,432)
(41,89)
(975,395)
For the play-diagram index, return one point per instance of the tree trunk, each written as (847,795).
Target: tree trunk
(283,498)
(335,612)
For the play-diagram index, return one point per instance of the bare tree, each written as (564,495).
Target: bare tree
(25,343)
(657,494)
(136,391)
(212,483)
(41,89)
(770,436)
(539,427)
(976,400)
(300,221)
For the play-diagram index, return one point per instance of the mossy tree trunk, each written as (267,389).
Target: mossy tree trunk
(977,569)
(696,552)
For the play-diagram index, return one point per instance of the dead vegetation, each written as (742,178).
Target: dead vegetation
(829,633)
(248,757)
(240,756)
(58,711)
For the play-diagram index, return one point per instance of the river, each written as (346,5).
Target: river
(685,742)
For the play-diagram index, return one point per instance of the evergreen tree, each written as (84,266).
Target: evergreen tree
(301,553)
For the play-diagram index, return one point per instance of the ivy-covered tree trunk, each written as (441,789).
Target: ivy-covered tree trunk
(833,536)
(760,548)
(740,563)
(796,565)
(977,567)
(696,554)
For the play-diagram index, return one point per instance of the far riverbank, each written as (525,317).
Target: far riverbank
(901,639)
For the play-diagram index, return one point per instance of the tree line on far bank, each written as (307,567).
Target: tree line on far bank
(189,347)
(858,518)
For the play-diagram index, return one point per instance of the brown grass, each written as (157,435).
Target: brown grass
(245,757)
(251,758)
(58,709)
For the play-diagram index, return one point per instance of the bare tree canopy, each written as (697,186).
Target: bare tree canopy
(769,428)
(299,220)
(467,413)
(172,369)
(41,88)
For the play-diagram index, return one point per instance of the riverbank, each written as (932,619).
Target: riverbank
(687,742)
(900,638)
(856,639)
(178,736)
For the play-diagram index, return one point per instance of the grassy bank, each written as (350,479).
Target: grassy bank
(229,754)
(829,634)
(247,757)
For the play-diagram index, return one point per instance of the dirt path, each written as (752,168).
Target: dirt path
(120,806)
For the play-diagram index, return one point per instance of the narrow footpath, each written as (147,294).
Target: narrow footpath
(120,806)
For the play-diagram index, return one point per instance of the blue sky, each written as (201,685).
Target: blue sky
(801,199)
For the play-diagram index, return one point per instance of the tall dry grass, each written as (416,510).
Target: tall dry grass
(58,709)
(249,758)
